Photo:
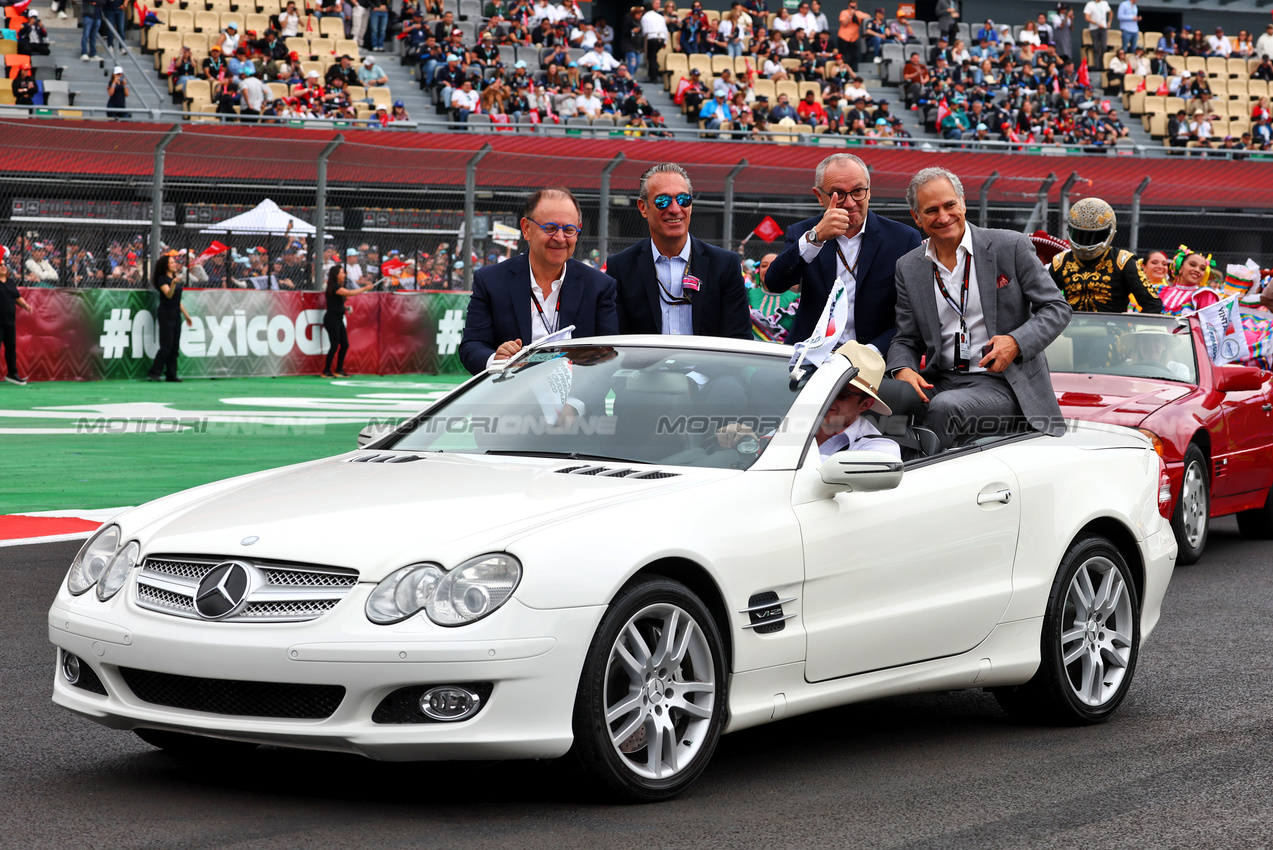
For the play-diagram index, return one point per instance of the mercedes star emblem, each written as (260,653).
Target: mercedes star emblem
(248,541)
(222,591)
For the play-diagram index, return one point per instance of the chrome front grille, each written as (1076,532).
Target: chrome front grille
(277,592)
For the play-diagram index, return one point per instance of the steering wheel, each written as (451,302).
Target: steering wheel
(1159,370)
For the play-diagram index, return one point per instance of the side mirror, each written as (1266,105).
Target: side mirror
(1239,379)
(371,433)
(861,471)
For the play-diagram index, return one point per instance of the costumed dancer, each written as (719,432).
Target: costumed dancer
(1193,289)
(772,313)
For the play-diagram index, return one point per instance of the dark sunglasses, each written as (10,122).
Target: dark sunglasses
(684,199)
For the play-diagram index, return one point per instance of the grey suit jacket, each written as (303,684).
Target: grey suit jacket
(1018,298)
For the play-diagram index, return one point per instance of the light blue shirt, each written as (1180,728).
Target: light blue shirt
(676,318)
(1127,13)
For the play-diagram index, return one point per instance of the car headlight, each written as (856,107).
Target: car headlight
(88,565)
(117,571)
(467,593)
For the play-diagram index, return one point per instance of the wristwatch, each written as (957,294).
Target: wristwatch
(812,236)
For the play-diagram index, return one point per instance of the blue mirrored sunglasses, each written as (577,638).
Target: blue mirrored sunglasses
(684,199)
(570,231)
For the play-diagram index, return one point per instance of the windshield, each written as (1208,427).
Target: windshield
(637,404)
(1130,345)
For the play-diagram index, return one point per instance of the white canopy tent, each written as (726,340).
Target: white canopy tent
(265,217)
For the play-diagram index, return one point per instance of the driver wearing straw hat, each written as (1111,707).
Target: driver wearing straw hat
(842,428)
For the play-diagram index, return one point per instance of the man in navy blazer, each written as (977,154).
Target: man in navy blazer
(847,232)
(673,283)
(529,296)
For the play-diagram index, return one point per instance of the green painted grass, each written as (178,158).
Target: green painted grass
(74,467)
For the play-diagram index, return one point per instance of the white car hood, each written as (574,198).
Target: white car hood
(376,517)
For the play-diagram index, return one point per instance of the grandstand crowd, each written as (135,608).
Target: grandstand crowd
(742,71)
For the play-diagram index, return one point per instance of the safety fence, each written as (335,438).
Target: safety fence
(92,204)
(89,334)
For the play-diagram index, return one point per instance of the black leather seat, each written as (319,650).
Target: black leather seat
(901,427)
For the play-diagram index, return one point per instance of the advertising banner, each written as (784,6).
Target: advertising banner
(90,334)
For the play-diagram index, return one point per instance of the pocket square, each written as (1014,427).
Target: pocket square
(1001,282)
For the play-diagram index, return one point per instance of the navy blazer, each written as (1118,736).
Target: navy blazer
(719,308)
(884,242)
(500,308)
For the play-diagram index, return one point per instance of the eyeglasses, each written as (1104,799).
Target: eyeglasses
(570,231)
(857,194)
(684,199)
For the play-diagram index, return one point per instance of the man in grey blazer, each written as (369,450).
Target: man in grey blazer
(980,308)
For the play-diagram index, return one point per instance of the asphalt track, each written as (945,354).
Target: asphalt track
(1187,762)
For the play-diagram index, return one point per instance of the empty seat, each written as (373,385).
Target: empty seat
(199,89)
(331,28)
(322,48)
(579,125)
(380,96)
(180,20)
(257,24)
(347,47)
(480,123)
(1236,67)
(298,44)
(207,22)
(722,63)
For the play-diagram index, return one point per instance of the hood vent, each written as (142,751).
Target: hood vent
(616,472)
(379,458)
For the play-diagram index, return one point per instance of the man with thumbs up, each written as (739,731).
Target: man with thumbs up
(847,243)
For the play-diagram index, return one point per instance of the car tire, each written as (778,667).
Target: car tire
(1192,518)
(186,746)
(1257,523)
(1090,641)
(651,702)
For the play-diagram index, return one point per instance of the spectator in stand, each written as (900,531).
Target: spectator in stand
(811,111)
(1178,131)
(39,271)
(214,65)
(1219,44)
(345,70)
(1197,43)
(1097,13)
(783,110)
(113,15)
(10,300)
(289,21)
(253,94)
(598,60)
(225,94)
(92,23)
(851,21)
(1063,31)
(465,101)
(117,95)
(587,103)
(24,88)
(1129,23)
(948,17)
(371,74)
(399,112)
(1245,45)
(915,78)
(1200,127)
(228,41)
(631,38)
(379,24)
(715,113)
(1264,47)
(955,124)
(804,19)
(239,65)
(654,28)
(33,38)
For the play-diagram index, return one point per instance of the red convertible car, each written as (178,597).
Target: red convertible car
(1213,425)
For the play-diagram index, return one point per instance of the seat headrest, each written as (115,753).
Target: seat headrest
(901,397)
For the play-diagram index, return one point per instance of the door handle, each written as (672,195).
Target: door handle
(1004,496)
(1266,408)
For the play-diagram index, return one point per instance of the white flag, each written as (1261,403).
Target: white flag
(1222,332)
(819,346)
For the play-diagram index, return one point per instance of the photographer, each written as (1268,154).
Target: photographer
(117,91)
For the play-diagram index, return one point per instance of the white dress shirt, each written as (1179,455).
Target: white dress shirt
(808,23)
(549,324)
(675,318)
(851,247)
(861,435)
(654,26)
(974,316)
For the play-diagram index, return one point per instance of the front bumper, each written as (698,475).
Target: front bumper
(528,714)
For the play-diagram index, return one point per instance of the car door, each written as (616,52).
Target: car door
(904,575)
(1242,466)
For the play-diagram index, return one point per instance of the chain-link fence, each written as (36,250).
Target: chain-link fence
(77,205)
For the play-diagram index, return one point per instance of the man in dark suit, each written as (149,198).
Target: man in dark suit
(673,283)
(847,242)
(525,298)
(980,308)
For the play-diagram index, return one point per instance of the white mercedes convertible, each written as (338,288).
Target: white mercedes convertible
(560,557)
